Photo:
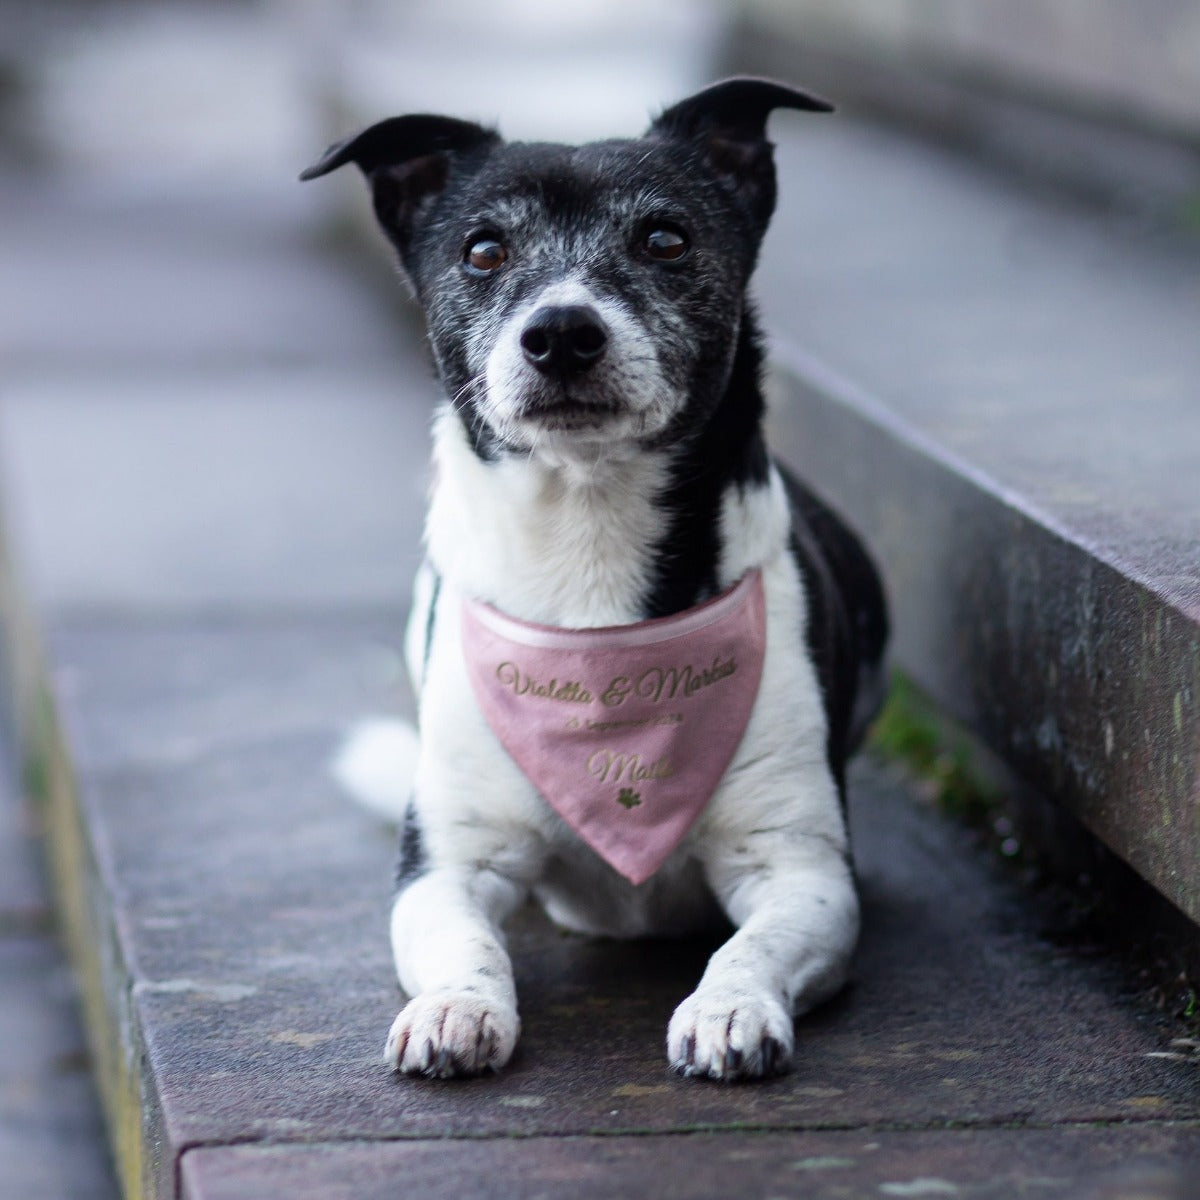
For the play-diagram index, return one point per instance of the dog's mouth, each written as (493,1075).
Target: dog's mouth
(566,412)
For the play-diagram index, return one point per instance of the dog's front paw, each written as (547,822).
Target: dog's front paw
(444,1034)
(730,1036)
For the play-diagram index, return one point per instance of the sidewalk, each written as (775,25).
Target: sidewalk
(213,476)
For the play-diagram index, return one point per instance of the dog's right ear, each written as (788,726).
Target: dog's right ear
(727,123)
(407,161)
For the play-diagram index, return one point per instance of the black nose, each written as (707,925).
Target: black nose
(564,340)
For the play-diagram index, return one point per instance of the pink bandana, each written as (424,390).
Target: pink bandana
(625,731)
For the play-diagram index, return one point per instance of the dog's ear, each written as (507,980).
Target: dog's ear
(407,161)
(727,122)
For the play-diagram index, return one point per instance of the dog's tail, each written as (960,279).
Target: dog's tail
(376,765)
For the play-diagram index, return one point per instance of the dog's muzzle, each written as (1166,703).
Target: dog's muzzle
(565,340)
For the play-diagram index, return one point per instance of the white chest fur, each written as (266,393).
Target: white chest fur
(553,539)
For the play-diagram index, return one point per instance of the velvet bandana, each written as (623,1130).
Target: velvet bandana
(625,731)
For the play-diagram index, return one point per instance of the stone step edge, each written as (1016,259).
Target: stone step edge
(1108,742)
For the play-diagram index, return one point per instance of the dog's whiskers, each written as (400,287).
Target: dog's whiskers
(463,394)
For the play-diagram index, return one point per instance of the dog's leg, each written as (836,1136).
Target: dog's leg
(797,917)
(450,957)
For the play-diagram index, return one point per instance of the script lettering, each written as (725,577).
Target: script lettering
(613,766)
(665,683)
(571,692)
(614,695)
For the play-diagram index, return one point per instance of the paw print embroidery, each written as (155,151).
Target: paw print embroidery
(628,798)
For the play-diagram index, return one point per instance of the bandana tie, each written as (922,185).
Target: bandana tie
(625,731)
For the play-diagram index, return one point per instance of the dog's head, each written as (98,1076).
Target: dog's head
(580,298)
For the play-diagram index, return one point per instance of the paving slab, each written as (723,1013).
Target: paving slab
(134,282)
(1079,1164)
(268,474)
(206,411)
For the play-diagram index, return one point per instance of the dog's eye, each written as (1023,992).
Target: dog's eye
(665,244)
(485,255)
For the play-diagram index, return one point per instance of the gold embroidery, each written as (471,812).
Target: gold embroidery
(659,719)
(656,684)
(571,692)
(652,684)
(675,718)
(612,765)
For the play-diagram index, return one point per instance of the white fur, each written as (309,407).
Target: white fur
(561,541)
(632,376)
(565,544)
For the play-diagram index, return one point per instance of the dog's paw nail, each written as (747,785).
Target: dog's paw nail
(774,1059)
(682,1063)
(394,1047)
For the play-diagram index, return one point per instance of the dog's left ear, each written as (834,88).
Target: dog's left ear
(727,122)
(407,161)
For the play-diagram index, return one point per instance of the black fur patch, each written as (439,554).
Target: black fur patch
(727,449)
(847,611)
(413,861)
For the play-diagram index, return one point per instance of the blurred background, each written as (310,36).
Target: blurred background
(140,91)
(198,378)
(152,222)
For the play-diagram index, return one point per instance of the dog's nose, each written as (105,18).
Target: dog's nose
(564,340)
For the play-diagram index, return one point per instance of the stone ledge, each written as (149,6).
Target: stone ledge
(994,1164)
(1081,678)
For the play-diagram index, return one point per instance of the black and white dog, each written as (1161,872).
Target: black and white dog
(599,464)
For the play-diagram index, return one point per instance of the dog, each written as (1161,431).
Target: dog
(643,651)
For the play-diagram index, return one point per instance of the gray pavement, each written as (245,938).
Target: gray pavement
(213,440)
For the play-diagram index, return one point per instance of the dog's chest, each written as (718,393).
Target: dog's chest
(557,543)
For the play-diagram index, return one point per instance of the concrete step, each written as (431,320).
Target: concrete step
(216,550)
(703,1165)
